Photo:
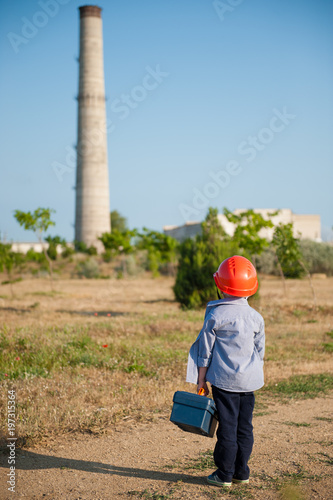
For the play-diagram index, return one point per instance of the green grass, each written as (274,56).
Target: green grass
(205,461)
(291,492)
(146,495)
(293,345)
(301,386)
(300,475)
(25,353)
(328,346)
(240,492)
(299,313)
(324,419)
(298,424)
(155,495)
(328,459)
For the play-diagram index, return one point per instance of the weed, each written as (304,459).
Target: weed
(324,419)
(203,462)
(36,354)
(298,424)
(135,367)
(326,443)
(329,459)
(302,386)
(328,346)
(65,373)
(299,313)
(34,305)
(299,475)
(241,492)
(268,480)
(146,495)
(291,492)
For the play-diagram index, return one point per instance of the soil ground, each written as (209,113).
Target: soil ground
(153,461)
(292,457)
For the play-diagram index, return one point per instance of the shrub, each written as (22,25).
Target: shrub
(81,247)
(67,252)
(107,255)
(266,262)
(88,269)
(53,242)
(288,251)
(33,256)
(199,259)
(318,257)
(119,242)
(161,251)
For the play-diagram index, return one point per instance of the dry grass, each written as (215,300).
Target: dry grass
(66,381)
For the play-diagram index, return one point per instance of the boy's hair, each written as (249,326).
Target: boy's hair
(228,296)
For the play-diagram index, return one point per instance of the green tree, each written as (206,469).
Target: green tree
(53,242)
(287,250)
(38,221)
(289,255)
(161,250)
(199,258)
(318,257)
(119,242)
(81,247)
(118,222)
(248,224)
(8,261)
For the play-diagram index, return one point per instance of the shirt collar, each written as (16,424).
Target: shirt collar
(239,301)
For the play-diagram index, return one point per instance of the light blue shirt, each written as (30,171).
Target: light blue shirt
(232,345)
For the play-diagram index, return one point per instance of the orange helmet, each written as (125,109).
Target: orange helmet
(237,276)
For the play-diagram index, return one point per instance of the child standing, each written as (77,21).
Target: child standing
(228,354)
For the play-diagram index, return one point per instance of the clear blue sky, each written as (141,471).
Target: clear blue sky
(229,72)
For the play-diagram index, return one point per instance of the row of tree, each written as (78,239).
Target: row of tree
(160,249)
(200,257)
(193,261)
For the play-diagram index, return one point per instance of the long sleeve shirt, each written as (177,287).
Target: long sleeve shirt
(232,345)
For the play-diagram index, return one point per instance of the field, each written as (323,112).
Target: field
(93,357)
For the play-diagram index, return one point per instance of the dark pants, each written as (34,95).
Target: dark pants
(234,434)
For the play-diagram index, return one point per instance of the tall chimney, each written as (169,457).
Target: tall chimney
(92,215)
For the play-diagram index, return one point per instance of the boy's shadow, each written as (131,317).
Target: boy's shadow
(27,460)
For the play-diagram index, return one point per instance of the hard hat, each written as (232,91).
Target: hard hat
(237,276)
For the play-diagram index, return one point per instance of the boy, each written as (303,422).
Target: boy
(228,354)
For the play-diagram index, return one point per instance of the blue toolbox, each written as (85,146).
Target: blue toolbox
(194,413)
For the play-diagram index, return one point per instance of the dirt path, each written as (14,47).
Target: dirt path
(293,442)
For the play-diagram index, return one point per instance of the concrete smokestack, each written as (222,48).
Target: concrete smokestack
(92,216)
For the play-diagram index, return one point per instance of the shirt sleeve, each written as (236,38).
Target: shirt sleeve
(259,340)
(206,342)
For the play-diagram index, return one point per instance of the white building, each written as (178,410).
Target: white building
(305,226)
(24,246)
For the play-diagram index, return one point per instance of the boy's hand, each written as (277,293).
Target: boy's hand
(202,380)
(204,386)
